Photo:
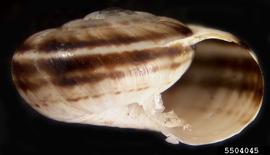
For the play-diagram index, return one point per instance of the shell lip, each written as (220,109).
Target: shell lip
(261,90)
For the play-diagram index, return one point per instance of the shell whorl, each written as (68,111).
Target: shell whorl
(107,56)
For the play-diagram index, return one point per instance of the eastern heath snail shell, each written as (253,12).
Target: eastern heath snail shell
(130,69)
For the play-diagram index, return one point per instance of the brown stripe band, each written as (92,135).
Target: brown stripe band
(23,69)
(92,78)
(56,66)
(70,42)
(26,84)
(91,62)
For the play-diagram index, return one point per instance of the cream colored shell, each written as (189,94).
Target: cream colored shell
(128,69)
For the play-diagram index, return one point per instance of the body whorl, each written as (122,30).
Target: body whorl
(104,58)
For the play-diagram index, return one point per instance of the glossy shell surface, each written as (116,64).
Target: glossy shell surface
(130,69)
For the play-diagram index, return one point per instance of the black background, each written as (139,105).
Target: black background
(22,130)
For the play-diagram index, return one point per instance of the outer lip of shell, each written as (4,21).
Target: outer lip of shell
(217,98)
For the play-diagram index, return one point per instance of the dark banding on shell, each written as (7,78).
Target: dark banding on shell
(54,45)
(62,65)
(68,81)
(109,61)
(122,34)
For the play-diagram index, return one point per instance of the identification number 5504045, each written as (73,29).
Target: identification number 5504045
(241,150)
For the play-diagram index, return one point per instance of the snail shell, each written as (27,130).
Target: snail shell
(122,68)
